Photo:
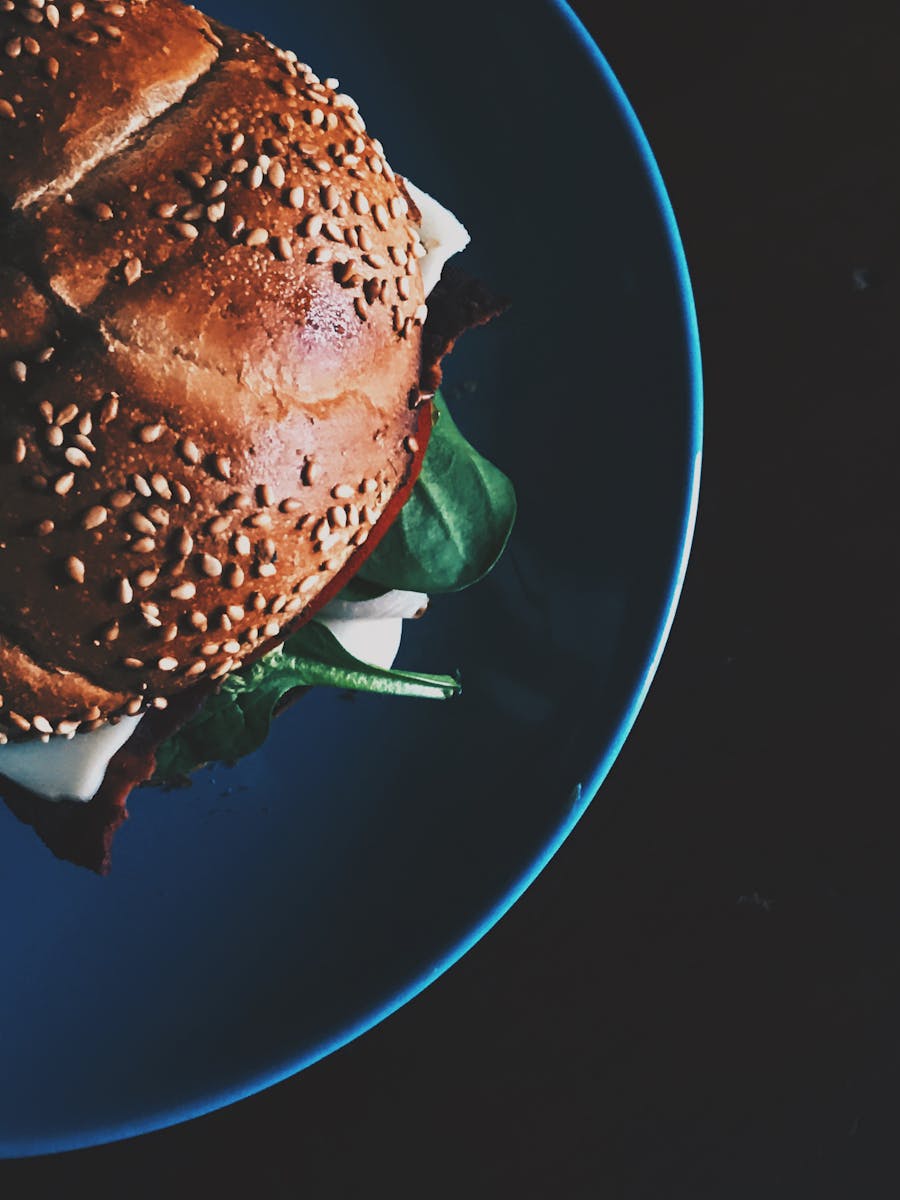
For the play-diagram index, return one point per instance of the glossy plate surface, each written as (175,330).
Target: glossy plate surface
(273,911)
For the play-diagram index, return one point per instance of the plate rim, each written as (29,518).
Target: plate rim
(584,792)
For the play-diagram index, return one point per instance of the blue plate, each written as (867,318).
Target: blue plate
(273,911)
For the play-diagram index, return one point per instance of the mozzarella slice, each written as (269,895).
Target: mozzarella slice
(441,233)
(66,768)
(370,630)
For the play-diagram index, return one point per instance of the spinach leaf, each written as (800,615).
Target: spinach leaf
(455,524)
(236,719)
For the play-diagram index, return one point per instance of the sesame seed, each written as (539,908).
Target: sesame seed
(264,162)
(290,505)
(150,433)
(255,178)
(296,197)
(51,65)
(411,445)
(382,218)
(257,601)
(375,260)
(321,531)
(312,226)
(310,472)
(181,492)
(321,254)
(329,195)
(13,47)
(235,612)
(260,520)
(276,175)
(110,409)
(186,230)
(360,305)
(209,649)
(198,621)
(45,527)
(144,545)
(242,544)
(266,569)
(398,206)
(133,707)
(216,188)
(210,566)
(360,203)
(337,517)
(194,213)
(146,579)
(271,628)
(222,669)
(125,591)
(187,448)
(234,576)
(196,668)
(76,457)
(308,583)
(218,525)
(184,591)
(222,466)
(232,647)
(283,248)
(403,287)
(102,211)
(316,117)
(18,371)
(94,517)
(54,435)
(133,664)
(268,550)
(237,140)
(334,231)
(184,543)
(158,514)
(64,483)
(371,290)
(42,725)
(167,663)
(215,212)
(7,111)
(121,499)
(166,211)
(141,524)
(132,270)
(75,569)
(256,237)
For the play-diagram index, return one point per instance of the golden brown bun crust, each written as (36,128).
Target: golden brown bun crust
(209,357)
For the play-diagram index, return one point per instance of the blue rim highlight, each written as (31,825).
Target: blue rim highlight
(583,793)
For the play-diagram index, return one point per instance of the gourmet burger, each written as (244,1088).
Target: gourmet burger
(219,349)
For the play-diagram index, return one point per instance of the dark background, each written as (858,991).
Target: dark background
(701,995)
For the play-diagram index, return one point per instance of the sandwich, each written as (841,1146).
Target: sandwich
(227,472)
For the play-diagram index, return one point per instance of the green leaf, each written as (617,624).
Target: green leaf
(455,524)
(236,719)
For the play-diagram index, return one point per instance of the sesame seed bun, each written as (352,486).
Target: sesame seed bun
(211,318)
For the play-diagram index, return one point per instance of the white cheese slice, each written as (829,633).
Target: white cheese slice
(66,768)
(73,768)
(441,233)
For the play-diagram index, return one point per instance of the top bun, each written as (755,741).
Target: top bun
(211,316)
